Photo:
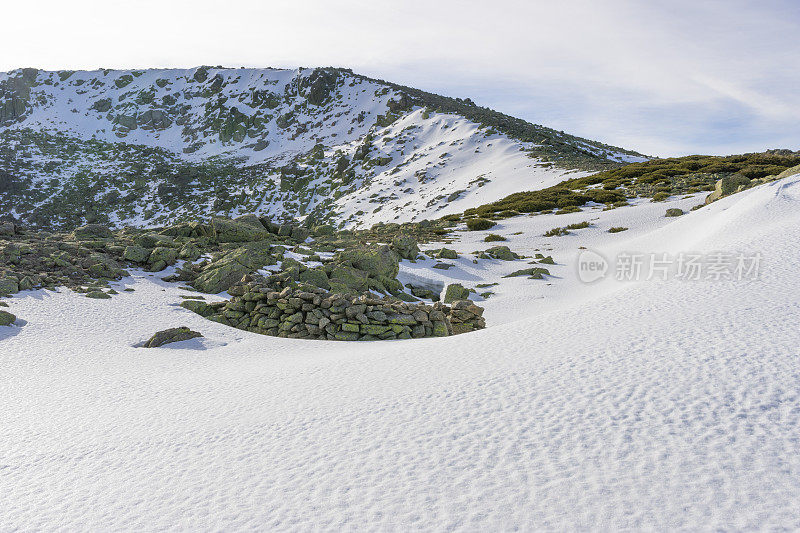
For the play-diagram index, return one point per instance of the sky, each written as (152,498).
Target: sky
(663,78)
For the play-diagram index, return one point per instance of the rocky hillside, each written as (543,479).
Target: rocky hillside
(151,147)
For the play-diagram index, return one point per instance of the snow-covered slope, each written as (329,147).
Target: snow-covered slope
(152,146)
(657,405)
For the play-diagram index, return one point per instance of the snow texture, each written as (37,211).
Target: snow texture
(658,405)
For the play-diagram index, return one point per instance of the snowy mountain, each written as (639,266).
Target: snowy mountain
(148,147)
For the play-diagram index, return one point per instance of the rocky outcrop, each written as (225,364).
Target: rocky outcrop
(232,266)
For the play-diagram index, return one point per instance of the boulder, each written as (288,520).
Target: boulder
(190,252)
(238,231)
(376,261)
(250,220)
(8,286)
(455,291)
(788,172)
(27,283)
(446,253)
(535,272)
(501,252)
(170,335)
(6,318)
(92,231)
(316,277)
(7,229)
(230,268)
(136,254)
(162,256)
(347,279)
(299,233)
(405,246)
(727,185)
(151,240)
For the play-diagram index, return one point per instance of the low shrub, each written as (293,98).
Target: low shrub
(674,212)
(479,224)
(556,232)
(617,229)
(492,237)
(579,225)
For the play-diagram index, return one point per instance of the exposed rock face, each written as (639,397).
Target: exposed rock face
(314,313)
(168,336)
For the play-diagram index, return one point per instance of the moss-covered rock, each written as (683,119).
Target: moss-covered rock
(171,335)
(98,295)
(136,254)
(162,255)
(376,261)
(92,231)
(501,252)
(405,246)
(455,291)
(316,277)
(347,279)
(226,230)
(6,318)
(231,267)
(446,253)
(199,307)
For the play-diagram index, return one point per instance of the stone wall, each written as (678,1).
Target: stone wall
(312,313)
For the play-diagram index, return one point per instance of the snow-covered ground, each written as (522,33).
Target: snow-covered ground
(651,405)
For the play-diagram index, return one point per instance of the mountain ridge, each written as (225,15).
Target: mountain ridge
(148,147)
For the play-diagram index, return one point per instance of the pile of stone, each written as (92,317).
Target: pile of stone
(313,313)
(465,316)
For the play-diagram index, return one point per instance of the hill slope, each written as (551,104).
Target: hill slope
(152,146)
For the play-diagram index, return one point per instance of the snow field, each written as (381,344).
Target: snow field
(659,405)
